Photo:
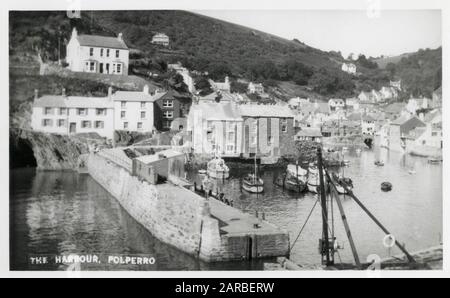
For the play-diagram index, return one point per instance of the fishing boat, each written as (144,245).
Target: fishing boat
(379,163)
(386,186)
(290,182)
(434,160)
(299,172)
(344,181)
(313,179)
(218,169)
(252,183)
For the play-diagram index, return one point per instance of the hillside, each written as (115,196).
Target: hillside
(384,61)
(204,44)
(420,72)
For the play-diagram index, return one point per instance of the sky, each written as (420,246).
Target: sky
(386,32)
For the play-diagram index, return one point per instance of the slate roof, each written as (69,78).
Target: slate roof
(274,111)
(135,96)
(59,101)
(101,41)
(169,153)
(309,132)
(218,111)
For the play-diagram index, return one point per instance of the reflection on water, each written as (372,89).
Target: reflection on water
(63,213)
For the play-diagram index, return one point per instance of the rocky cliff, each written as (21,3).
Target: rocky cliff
(49,151)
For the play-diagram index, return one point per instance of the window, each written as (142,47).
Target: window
(62,111)
(100,112)
(85,124)
(270,140)
(284,127)
(139,125)
(82,111)
(91,52)
(142,115)
(168,103)
(61,122)
(117,53)
(123,104)
(231,136)
(92,66)
(119,68)
(230,147)
(167,124)
(101,52)
(47,122)
(125,125)
(122,114)
(434,133)
(168,114)
(99,124)
(142,104)
(48,111)
(107,52)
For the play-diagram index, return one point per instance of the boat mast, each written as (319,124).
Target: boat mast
(325,244)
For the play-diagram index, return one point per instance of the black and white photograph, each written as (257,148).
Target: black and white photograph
(227,140)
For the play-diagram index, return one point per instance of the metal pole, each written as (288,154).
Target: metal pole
(346,226)
(402,248)
(323,201)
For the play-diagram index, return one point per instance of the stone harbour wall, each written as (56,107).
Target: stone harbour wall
(181,218)
(172,214)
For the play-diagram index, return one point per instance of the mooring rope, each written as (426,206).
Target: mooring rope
(304,224)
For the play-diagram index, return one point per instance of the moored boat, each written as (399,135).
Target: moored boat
(344,181)
(386,186)
(289,182)
(313,179)
(379,163)
(253,184)
(218,169)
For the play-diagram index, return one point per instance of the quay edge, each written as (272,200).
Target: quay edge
(204,228)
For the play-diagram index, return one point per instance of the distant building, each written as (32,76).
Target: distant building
(388,93)
(61,114)
(365,96)
(257,88)
(396,84)
(336,104)
(426,141)
(399,130)
(221,86)
(161,39)
(311,134)
(415,104)
(296,102)
(377,96)
(349,68)
(216,128)
(184,72)
(170,106)
(366,121)
(159,167)
(97,54)
(268,130)
(352,104)
(436,100)
(133,110)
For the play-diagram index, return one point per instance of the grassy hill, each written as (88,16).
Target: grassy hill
(200,43)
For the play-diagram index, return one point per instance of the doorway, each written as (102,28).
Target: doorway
(73,127)
(101,68)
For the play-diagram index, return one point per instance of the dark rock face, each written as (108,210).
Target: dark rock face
(48,151)
(127,138)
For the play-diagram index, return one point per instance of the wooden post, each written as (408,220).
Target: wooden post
(323,201)
(344,220)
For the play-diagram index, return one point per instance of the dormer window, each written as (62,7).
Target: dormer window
(117,53)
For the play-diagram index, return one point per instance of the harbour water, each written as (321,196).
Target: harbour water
(54,213)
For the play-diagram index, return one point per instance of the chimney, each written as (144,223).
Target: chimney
(120,36)
(145,89)
(74,32)
(63,92)
(109,92)
(36,93)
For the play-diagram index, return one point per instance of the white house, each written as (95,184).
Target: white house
(97,54)
(396,84)
(61,114)
(349,68)
(257,88)
(336,104)
(161,39)
(133,110)
(388,92)
(221,86)
(352,104)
